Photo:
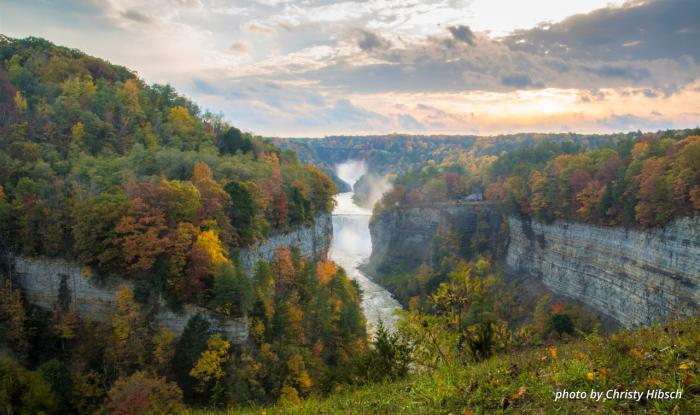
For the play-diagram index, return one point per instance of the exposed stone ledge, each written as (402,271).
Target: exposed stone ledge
(313,241)
(40,279)
(634,276)
(402,238)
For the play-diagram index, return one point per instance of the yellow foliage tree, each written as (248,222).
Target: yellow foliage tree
(129,329)
(209,241)
(20,101)
(163,350)
(210,366)
(298,374)
(77,132)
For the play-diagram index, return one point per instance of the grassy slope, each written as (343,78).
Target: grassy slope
(665,356)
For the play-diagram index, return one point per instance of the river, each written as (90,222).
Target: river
(351,247)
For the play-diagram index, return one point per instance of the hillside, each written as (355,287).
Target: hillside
(526,381)
(153,207)
(133,179)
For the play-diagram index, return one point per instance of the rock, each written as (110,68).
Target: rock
(402,238)
(40,279)
(313,241)
(634,276)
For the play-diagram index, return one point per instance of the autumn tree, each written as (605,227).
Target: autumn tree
(13,317)
(215,201)
(143,236)
(210,368)
(141,394)
(130,343)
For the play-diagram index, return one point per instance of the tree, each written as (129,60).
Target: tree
(13,317)
(163,351)
(242,210)
(232,141)
(325,270)
(389,356)
(283,267)
(23,391)
(654,206)
(130,332)
(211,368)
(231,294)
(181,128)
(209,242)
(214,201)
(190,346)
(143,236)
(183,201)
(95,220)
(559,323)
(140,394)
(58,377)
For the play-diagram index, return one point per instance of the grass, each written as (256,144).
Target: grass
(664,357)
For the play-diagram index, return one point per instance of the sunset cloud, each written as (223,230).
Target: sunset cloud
(320,67)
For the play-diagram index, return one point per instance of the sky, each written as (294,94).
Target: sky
(309,68)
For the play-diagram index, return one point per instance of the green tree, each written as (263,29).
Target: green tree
(232,141)
(232,293)
(23,391)
(243,210)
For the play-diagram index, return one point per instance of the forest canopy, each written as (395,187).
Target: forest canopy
(632,180)
(135,179)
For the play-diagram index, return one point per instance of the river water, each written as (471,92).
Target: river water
(351,247)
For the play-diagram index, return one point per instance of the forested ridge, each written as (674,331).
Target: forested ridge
(135,181)
(642,179)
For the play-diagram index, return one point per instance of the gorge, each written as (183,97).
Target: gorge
(352,246)
(634,276)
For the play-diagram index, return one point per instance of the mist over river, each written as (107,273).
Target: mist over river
(352,246)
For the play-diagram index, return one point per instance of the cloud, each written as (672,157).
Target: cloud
(237,47)
(627,71)
(408,122)
(645,30)
(631,122)
(517,80)
(462,33)
(290,67)
(369,41)
(136,16)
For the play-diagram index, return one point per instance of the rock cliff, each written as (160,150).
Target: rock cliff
(41,278)
(403,238)
(313,241)
(634,276)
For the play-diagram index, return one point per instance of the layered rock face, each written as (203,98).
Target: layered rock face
(402,238)
(634,276)
(313,241)
(41,280)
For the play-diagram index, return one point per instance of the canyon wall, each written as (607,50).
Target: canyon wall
(403,238)
(41,279)
(313,241)
(634,276)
